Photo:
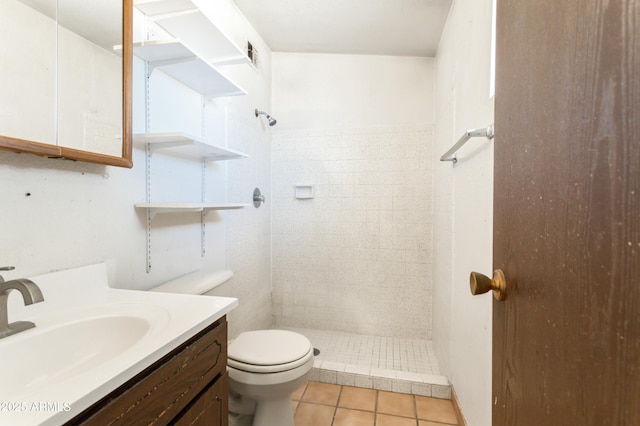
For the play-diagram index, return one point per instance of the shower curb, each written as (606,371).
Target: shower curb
(430,385)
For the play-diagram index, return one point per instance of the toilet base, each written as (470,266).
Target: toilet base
(270,412)
(242,405)
(273,401)
(271,390)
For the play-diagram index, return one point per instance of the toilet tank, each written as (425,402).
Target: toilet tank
(197,282)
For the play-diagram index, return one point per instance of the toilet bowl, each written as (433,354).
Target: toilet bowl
(267,366)
(264,366)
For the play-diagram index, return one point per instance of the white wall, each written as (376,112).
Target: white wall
(357,257)
(463,202)
(59,214)
(322,91)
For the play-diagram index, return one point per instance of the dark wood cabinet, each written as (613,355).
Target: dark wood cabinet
(186,387)
(209,408)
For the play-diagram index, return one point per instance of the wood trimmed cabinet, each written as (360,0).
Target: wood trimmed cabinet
(188,386)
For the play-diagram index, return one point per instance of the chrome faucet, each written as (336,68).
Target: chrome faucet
(30,293)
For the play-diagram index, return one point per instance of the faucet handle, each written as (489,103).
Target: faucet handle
(5,268)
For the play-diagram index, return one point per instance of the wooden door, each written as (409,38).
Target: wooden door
(567,213)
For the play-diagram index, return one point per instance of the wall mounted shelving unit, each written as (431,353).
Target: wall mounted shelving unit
(192,54)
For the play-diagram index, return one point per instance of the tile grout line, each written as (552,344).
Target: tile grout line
(335,409)
(375,408)
(306,386)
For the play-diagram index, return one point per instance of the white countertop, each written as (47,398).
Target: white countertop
(151,325)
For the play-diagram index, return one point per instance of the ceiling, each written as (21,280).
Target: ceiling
(368,27)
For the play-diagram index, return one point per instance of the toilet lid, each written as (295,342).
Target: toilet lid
(268,347)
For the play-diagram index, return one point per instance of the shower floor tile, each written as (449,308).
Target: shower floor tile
(383,363)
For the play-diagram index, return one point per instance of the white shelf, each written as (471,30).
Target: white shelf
(199,34)
(158,7)
(178,61)
(159,51)
(156,208)
(183,20)
(186,144)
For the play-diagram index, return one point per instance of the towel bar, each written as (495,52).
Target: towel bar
(451,154)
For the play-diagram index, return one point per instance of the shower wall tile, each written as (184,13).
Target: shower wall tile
(357,257)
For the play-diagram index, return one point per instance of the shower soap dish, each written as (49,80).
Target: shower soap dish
(304,192)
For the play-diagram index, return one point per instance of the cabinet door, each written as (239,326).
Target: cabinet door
(210,408)
(165,389)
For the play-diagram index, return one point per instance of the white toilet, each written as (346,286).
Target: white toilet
(265,366)
(268,366)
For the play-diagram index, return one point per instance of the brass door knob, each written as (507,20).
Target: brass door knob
(480,284)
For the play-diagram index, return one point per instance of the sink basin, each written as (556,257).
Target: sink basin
(69,349)
(65,346)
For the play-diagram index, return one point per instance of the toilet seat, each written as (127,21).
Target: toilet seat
(269,351)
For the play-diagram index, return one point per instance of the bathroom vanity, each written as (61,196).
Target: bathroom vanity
(186,387)
(99,355)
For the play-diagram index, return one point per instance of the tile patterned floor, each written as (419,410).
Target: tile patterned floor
(323,404)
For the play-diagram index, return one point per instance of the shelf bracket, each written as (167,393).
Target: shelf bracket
(148,153)
(203,225)
(150,213)
(203,184)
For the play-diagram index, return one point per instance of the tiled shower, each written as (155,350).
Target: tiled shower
(357,256)
(352,265)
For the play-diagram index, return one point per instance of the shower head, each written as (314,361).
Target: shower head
(272,121)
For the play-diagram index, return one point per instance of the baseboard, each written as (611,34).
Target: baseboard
(456,408)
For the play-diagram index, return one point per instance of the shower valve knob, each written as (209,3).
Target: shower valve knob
(481,284)
(258,198)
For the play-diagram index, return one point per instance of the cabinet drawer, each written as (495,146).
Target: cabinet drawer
(210,408)
(162,391)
